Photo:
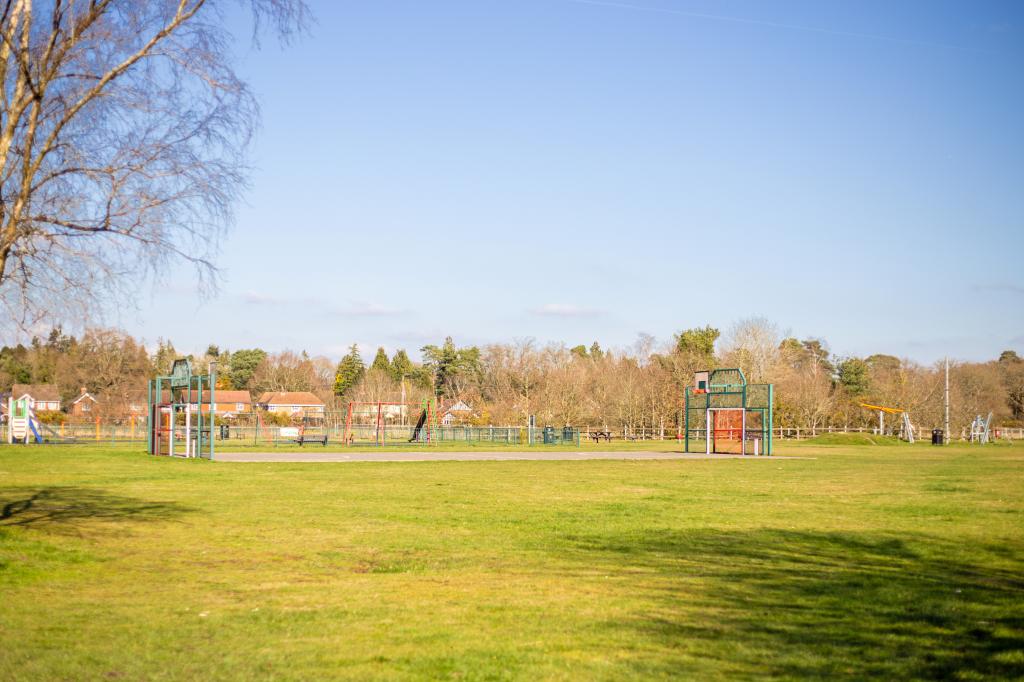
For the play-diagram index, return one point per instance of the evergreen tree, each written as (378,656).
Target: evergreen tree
(243,366)
(380,361)
(350,372)
(164,357)
(401,365)
(451,367)
(595,351)
(1013,379)
(853,375)
(15,366)
(579,351)
(698,342)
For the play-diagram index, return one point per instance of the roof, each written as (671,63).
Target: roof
(220,397)
(46,392)
(232,396)
(88,395)
(289,398)
(455,406)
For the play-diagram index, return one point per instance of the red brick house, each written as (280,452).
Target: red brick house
(296,403)
(226,402)
(85,405)
(41,397)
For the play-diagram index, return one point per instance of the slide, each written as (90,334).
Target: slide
(54,434)
(419,427)
(32,424)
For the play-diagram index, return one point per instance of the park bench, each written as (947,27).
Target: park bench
(320,438)
(291,434)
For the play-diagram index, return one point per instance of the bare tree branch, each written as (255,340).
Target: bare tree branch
(123,138)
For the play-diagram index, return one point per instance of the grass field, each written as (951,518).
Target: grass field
(885,561)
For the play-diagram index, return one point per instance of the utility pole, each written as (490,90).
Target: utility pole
(946,423)
(403,408)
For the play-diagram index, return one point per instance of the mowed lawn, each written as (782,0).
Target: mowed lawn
(884,561)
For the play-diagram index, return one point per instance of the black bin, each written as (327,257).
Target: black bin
(549,435)
(567,435)
(937,437)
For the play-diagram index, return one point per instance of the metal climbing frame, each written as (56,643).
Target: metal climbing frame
(725,414)
(176,424)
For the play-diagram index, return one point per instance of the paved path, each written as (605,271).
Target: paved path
(447,456)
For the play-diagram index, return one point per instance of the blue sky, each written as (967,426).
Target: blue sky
(579,170)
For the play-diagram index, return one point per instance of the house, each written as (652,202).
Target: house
(298,403)
(232,402)
(84,405)
(41,397)
(225,402)
(135,404)
(456,412)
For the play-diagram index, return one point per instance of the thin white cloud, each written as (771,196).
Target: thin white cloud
(259,298)
(999,288)
(368,309)
(565,310)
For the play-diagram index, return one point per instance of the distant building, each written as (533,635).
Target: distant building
(135,404)
(84,405)
(295,403)
(456,412)
(230,402)
(41,397)
(225,402)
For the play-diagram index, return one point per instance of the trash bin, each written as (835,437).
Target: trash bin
(549,435)
(225,431)
(568,436)
(936,436)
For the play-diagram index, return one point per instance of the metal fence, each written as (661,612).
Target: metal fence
(113,433)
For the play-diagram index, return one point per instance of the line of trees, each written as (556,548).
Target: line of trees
(640,387)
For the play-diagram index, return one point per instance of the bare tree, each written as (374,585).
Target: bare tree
(753,344)
(123,136)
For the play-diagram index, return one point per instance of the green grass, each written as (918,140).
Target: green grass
(854,439)
(885,561)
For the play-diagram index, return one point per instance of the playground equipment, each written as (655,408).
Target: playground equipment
(24,425)
(728,414)
(175,415)
(980,429)
(384,423)
(906,431)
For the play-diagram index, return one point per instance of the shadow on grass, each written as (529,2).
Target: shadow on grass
(71,506)
(823,604)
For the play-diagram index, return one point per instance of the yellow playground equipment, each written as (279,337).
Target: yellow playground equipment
(906,431)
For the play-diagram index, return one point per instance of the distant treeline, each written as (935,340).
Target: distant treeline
(639,387)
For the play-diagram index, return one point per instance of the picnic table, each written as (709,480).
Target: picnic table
(596,436)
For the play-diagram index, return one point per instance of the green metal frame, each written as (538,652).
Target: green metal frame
(728,389)
(185,388)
